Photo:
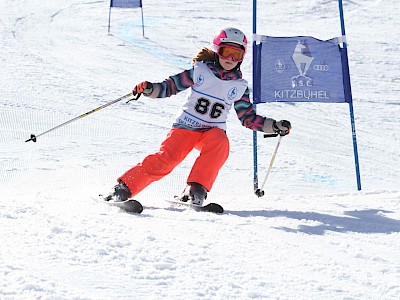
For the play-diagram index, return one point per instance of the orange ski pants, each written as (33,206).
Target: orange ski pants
(213,145)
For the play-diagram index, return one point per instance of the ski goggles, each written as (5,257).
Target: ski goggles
(227,51)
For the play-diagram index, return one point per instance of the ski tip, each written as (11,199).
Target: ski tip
(132,206)
(214,207)
(210,207)
(139,207)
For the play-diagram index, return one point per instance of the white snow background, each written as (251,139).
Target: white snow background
(312,236)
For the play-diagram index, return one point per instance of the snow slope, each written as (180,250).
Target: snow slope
(312,235)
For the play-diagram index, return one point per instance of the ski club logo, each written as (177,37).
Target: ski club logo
(302,59)
(303,86)
(280,66)
(232,93)
(200,80)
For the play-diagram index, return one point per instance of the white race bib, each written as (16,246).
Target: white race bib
(209,100)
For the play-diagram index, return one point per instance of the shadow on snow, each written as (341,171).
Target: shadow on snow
(361,221)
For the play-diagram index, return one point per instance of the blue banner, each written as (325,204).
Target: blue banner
(126,3)
(301,69)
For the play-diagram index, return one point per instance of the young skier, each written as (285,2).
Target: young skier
(215,85)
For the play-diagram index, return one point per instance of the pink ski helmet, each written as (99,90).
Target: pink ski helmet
(229,35)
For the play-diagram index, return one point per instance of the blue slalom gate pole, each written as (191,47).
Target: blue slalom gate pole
(353,127)
(255,159)
(141,7)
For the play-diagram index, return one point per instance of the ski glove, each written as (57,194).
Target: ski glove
(280,127)
(144,87)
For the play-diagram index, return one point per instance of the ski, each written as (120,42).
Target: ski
(210,207)
(129,205)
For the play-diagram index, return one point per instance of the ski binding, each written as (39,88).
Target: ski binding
(210,207)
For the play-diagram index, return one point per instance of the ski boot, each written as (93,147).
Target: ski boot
(121,193)
(194,193)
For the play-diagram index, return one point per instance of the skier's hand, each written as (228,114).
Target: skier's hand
(281,127)
(144,87)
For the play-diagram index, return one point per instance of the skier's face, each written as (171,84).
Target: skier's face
(227,63)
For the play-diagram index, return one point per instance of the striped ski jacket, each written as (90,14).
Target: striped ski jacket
(184,80)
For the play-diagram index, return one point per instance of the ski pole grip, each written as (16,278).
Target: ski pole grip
(270,135)
(135,96)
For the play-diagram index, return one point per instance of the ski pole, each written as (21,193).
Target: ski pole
(136,96)
(260,192)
